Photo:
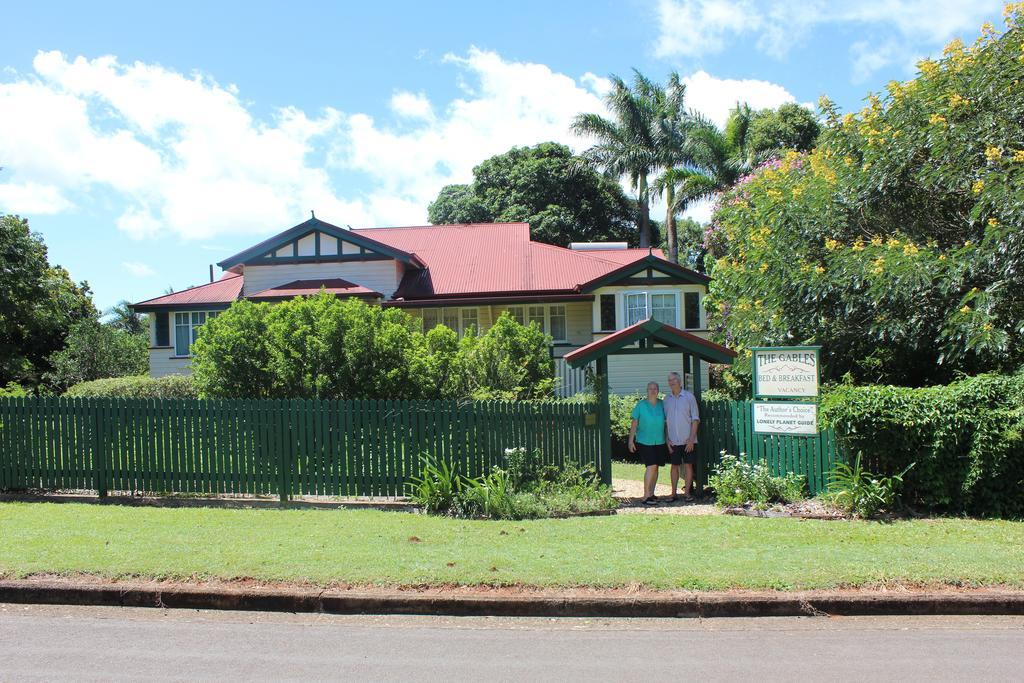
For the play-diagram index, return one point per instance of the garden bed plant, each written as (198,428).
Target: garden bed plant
(750,489)
(522,489)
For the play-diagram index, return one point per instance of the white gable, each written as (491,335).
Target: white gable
(307,245)
(328,245)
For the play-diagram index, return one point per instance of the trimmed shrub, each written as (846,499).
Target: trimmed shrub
(738,482)
(136,386)
(324,347)
(965,438)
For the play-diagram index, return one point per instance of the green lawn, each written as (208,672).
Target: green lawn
(324,546)
(628,470)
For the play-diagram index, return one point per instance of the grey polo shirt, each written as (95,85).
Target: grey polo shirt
(680,412)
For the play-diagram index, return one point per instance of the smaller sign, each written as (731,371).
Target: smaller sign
(786,372)
(785,418)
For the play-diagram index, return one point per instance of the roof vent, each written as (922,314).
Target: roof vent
(597,246)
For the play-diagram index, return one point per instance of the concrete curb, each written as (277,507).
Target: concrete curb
(408,602)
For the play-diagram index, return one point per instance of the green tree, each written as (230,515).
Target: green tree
(93,350)
(231,356)
(897,242)
(791,126)
(561,198)
(509,361)
(39,303)
(458,204)
(124,318)
(325,347)
(628,143)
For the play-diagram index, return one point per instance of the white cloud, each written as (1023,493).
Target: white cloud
(138,269)
(505,103)
(184,155)
(714,97)
(412,105)
(32,197)
(691,28)
(694,27)
(184,152)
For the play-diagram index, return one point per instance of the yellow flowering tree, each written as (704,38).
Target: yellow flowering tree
(898,243)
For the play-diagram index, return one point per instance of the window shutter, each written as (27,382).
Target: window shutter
(163,328)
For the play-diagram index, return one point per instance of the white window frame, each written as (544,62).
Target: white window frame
(522,315)
(193,329)
(675,306)
(446,314)
(565,322)
(648,305)
(627,319)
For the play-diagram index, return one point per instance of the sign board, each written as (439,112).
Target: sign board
(790,418)
(786,372)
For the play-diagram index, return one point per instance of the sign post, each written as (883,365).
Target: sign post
(791,372)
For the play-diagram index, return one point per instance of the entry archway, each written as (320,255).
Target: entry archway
(646,337)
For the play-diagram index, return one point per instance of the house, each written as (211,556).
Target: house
(461,276)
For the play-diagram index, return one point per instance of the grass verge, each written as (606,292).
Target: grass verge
(362,546)
(631,470)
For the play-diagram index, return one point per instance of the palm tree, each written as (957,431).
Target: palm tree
(701,161)
(124,318)
(627,144)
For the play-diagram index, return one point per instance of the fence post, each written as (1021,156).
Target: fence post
(604,422)
(98,447)
(284,448)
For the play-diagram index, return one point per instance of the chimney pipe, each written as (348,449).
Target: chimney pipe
(211,272)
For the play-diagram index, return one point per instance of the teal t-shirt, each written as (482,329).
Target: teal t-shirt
(650,423)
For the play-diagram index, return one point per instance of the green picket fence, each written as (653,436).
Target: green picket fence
(274,447)
(728,426)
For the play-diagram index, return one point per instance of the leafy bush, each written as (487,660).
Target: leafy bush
(966,438)
(136,386)
(523,489)
(738,482)
(859,492)
(437,488)
(13,390)
(324,347)
(896,244)
(95,350)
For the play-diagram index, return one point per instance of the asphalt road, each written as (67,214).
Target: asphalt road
(76,643)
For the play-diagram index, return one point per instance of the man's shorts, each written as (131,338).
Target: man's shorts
(681,457)
(652,455)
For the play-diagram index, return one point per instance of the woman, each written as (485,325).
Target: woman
(647,436)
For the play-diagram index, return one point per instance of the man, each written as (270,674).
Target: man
(647,435)
(681,423)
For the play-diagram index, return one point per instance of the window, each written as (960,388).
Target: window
(518,314)
(431,318)
(537,316)
(663,308)
(469,320)
(556,320)
(636,308)
(607,311)
(456,319)
(451,318)
(186,329)
(692,307)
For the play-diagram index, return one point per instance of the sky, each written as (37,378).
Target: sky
(146,141)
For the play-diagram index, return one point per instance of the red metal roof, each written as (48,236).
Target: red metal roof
(222,291)
(660,332)
(471,260)
(307,287)
(490,258)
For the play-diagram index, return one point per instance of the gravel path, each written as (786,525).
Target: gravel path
(630,494)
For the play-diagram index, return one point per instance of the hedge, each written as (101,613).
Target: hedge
(136,386)
(965,439)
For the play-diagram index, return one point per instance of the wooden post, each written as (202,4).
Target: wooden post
(697,388)
(604,421)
